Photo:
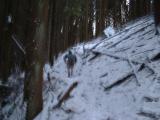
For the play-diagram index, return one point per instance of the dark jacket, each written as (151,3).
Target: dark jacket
(70,58)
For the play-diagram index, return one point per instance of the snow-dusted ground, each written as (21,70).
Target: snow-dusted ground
(102,63)
(136,43)
(127,101)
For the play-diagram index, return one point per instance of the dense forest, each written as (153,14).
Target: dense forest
(33,32)
(68,22)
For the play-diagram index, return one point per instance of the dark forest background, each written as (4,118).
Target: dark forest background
(69,22)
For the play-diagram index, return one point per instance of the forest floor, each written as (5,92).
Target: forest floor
(117,78)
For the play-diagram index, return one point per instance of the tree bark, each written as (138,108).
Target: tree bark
(35,57)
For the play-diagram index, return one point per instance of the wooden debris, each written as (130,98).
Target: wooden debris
(66,95)
(132,61)
(128,36)
(117,57)
(144,51)
(150,67)
(142,66)
(148,114)
(150,99)
(134,71)
(119,81)
(156,57)
(96,54)
(146,65)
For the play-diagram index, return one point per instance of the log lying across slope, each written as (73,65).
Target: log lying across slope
(119,81)
(66,95)
(149,114)
(128,75)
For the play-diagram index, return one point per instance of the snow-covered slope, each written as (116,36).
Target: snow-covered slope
(118,78)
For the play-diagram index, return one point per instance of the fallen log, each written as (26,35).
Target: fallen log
(116,57)
(146,65)
(66,95)
(129,35)
(149,66)
(119,81)
(150,99)
(96,54)
(156,57)
(148,114)
(132,61)
(142,66)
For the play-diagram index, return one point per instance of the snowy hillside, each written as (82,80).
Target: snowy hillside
(118,78)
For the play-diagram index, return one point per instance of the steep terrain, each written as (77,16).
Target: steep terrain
(118,78)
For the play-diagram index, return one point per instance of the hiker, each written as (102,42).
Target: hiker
(70,59)
(157,16)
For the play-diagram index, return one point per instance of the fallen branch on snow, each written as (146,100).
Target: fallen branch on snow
(128,36)
(66,95)
(116,57)
(96,54)
(148,114)
(151,99)
(119,81)
(132,61)
(156,57)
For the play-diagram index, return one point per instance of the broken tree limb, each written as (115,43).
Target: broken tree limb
(66,95)
(142,66)
(19,44)
(116,57)
(150,99)
(96,54)
(120,32)
(149,114)
(125,59)
(149,66)
(128,36)
(134,71)
(156,57)
(119,81)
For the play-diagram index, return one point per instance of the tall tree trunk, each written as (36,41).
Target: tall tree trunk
(97,17)
(35,57)
(86,20)
(51,31)
(6,42)
(91,19)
